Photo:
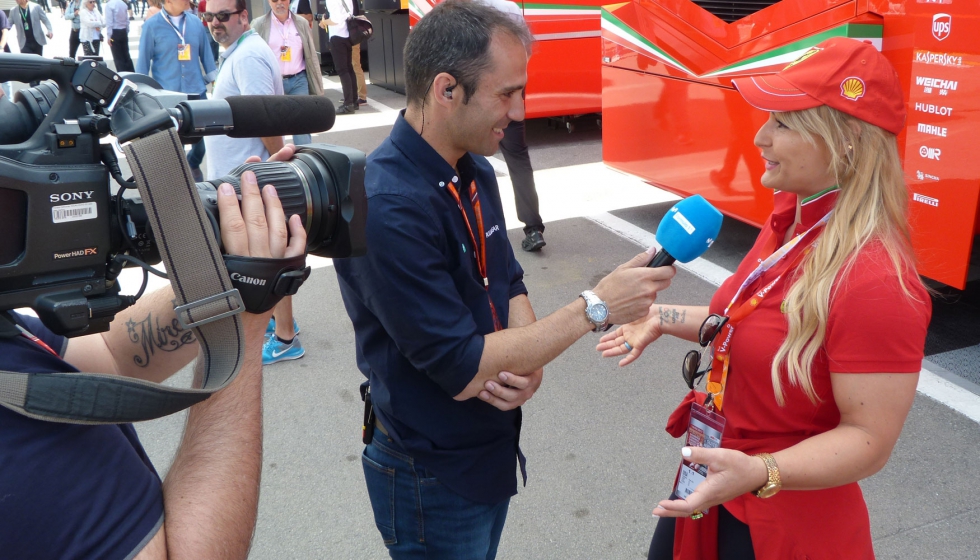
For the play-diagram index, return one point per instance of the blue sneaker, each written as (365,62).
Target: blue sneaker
(270,329)
(275,351)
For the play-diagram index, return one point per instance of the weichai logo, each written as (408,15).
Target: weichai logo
(941,25)
(928,84)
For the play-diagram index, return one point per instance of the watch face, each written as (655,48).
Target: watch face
(598,313)
(768,491)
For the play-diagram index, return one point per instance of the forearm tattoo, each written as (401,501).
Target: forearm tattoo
(669,315)
(152,336)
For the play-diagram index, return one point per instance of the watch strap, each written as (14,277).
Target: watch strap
(774,483)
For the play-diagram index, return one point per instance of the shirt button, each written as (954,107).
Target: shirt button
(455,179)
(442,183)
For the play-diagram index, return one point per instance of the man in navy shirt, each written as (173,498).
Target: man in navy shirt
(439,307)
(90,492)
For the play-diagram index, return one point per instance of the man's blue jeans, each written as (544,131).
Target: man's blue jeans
(420,518)
(298,85)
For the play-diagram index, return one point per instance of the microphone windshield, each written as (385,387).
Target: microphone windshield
(689,228)
(256,116)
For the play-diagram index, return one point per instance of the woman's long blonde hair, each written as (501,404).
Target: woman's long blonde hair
(872,206)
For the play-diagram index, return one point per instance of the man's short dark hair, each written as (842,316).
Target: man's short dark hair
(455,38)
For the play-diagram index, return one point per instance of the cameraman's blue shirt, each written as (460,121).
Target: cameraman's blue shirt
(420,312)
(70,491)
(158,53)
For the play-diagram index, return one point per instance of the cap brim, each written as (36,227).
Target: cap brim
(772,93)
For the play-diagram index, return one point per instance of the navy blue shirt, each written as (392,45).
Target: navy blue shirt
(70,491)
(420,312)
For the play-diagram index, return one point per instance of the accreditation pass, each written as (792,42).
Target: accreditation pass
(705,431)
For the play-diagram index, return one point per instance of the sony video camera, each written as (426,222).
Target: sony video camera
(64,235)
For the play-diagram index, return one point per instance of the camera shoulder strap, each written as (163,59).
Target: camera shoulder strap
(206,302)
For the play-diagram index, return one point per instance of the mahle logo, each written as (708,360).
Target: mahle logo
(941,24)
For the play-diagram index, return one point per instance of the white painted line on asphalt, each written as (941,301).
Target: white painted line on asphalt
(950,394)
(931,385)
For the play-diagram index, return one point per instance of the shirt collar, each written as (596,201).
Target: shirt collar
(435,170)
(224,56)
(812,209)
(276,22)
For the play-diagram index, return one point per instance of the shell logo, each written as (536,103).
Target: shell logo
(852,88)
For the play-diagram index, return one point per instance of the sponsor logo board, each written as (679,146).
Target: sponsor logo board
(940,59)
(941,26)
(925,199)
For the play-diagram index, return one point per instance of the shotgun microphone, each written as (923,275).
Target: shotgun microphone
(686,232)
(255,116)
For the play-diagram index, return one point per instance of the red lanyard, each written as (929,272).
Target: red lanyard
(24,332)
(480,248)
(718,377)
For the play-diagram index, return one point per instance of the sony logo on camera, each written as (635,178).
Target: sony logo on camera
(247,279)
(70,196)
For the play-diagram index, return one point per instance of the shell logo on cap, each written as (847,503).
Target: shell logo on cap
(852,88)
(812,51)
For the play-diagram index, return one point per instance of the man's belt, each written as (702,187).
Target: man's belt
(293,75)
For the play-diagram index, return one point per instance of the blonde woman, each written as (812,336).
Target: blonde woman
(817,338)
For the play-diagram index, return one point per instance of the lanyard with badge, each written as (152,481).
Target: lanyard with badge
(285,52)
(707,425)
(183,49)
(26,19)
(480,250)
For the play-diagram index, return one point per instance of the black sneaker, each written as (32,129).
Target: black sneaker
(345,110)
(533,242)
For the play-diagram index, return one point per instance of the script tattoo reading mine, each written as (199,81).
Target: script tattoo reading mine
(152,336)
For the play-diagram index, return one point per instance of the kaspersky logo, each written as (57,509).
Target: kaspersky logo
(941,26)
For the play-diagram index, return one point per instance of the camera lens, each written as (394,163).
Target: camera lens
(324,185)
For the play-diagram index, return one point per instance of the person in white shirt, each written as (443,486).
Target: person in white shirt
(90,32)
(248,67)
(117,29)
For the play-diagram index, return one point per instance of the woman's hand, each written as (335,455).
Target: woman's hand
(730,474)
(637,334)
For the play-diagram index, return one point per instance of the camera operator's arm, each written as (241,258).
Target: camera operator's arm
(211,493)
(145,341)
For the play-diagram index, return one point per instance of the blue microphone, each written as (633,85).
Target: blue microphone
(686,232)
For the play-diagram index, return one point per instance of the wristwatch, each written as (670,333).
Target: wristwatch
(596,311)
(774,484)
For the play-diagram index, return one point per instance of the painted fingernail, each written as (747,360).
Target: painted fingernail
(686,451)
(226,189)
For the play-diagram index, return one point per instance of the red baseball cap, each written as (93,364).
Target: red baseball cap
(846,74)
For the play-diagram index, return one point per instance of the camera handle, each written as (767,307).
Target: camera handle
(206,302)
